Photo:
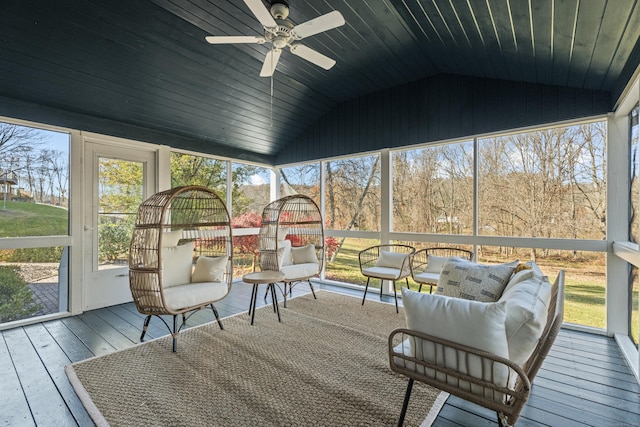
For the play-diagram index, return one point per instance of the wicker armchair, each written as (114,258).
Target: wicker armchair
(446,365)
(427,263)
(291,240)
(173,228)
(386,262)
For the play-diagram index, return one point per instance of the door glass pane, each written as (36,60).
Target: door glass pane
(120,192)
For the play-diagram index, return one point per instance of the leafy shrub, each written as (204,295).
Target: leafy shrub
(32,254)
(16,299)
(114,239)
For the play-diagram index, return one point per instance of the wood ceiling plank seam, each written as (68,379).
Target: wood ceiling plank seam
(542,16)
(463,63)
(483,21)
(563,36)
(391,34)
(625,49)
(424,14)
(521,22)
(505,33)
(382,73)
(428,44)
(209,26)
(476,45)
(588,27)
(407,37)
(609,42)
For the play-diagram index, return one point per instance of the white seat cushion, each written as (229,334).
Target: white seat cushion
(193,294)
(430,278)
(383,273)
(300,271)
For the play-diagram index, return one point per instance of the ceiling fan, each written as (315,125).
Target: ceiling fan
(282,33)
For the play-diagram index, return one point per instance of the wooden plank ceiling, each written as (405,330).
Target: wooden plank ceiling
(146,64)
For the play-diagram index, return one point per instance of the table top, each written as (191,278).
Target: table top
(268,276)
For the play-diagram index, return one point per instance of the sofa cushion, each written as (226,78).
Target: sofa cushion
(177,262)
(304,254)
(470,323)
(527,298)
(299,271)
(194,294)
(209,269)
(465,279)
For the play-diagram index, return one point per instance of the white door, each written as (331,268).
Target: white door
(117,180)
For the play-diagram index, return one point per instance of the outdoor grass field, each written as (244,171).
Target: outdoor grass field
(23,219)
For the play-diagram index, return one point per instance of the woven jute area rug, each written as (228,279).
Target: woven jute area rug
(326,364)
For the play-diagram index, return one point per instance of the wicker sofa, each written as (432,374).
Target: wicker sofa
(486,353)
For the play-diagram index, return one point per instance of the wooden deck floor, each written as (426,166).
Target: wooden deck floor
(584,381)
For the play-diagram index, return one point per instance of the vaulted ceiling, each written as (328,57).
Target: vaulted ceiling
(142,68)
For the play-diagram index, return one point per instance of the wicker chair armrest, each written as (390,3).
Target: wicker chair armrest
(508,399)
(368,257)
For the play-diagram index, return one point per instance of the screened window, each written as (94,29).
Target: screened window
(352,191)
(433,189)
(548,183)
(187,169)
(302,179)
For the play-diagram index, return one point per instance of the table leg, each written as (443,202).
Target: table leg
(276,308)
(253,292)
(254,296)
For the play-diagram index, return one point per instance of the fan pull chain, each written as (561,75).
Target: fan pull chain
(271,109)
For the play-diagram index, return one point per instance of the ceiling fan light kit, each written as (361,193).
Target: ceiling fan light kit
(281,33)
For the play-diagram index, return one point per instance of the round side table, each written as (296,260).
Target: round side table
(270,278)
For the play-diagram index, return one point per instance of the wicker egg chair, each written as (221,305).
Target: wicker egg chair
(173,229)
(291,240)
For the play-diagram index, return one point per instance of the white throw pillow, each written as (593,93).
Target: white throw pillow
(435,264)
(527,309)
(171,238)
(470,323)
(177,262)
(209,269)
(284,253)
(461,278)
(390,260)
(304,254)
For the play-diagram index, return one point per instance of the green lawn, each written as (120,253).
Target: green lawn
(22,219)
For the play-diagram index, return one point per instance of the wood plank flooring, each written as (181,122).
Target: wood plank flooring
(584,382)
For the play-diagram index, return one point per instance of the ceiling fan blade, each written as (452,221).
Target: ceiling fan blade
(313,56)
(234,39)
(262,13)
(270,62)
(317,25)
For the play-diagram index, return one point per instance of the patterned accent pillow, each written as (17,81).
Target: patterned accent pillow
(460,278)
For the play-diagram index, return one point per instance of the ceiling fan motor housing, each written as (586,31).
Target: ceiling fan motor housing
(279,9)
